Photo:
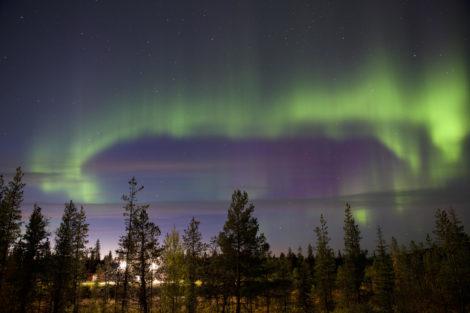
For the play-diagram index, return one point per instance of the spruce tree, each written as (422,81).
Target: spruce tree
(324,268)
(240,242)
(351,273)
(36,248)
(97,251)
(310,258)
(79,240)
(383,278)
(192,240)
(11,197)
(63,260)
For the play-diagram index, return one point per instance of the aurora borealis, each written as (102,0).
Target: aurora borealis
(305,104)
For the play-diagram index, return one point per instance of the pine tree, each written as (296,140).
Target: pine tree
(11,197)
(127,249)
(36,248)
(240,242)
(383,279)
(192,240)
(324,268)
(146,248)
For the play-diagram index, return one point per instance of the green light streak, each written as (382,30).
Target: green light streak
(377,100)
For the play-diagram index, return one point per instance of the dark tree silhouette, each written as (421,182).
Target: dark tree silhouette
(383,279)
(324,268)
(455,245)
(240,242)
(351,273)
(11,197)
(127,249)
(69,257)
(195,248)
(147,249)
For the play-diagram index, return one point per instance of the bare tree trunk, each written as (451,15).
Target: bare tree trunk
(224,303)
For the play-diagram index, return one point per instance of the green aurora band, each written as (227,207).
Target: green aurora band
(376,99)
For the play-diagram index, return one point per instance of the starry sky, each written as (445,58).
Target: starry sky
(303,104)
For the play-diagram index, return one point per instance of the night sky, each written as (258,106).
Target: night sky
(303,104)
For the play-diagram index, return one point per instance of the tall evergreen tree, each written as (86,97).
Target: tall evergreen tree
(146,248)
(11,197)
(36,248)
(383,279)
(324,268)
(240,242)
(303,283)
(79,240)
(97,250)
(310,258)
(63,259)
(351,272)
(192,240)
(127,249)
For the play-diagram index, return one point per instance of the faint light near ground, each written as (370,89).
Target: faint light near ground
(153,266)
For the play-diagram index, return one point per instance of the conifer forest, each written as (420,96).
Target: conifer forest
(61,271)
